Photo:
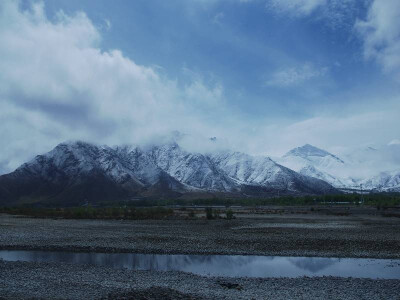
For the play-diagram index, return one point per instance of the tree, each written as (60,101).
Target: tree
(229,214)
(209,213)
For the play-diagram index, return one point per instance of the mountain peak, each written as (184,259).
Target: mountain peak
(308,151)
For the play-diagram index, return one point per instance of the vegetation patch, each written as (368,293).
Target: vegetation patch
(126,213)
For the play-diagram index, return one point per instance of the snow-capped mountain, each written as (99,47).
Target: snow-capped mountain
(77,172)
(372,160)
(312,161)
(383,182)
(314,154)
(263,171)
(369,167)
(193,169)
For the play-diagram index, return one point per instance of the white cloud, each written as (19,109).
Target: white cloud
(217,19)
(340,135)
(57,84)
(394,142)
(295,75)
(333,13)
(107,24)
(380,32)
(296,7)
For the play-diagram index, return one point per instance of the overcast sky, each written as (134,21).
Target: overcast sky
(263,76)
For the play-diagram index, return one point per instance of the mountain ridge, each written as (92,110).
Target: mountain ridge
(78,172)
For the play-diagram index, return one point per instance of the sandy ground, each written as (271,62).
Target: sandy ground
(287,234)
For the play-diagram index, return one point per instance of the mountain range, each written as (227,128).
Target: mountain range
(77,172)
(74,173)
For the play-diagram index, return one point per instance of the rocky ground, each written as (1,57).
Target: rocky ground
(291,234)
(284,235)
(22,280)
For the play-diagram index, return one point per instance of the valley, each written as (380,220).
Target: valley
(272,231)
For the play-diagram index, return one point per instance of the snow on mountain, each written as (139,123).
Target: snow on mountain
(376,168)
(383,182)
(259,170)
(372,160)
(193,169)
(312,161)
(311,153)
(79,171)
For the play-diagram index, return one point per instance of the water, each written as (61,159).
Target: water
(222,265)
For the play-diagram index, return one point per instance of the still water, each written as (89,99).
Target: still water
(222,265)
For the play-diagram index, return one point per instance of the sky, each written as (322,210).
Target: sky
(263,76)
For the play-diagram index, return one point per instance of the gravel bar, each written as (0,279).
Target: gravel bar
(281,235)
(26,280)
(275,235)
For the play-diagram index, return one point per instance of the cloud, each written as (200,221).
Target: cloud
(343,135)
(394,142)
(380,33)
(295,75)
(296,7)
(56,84)
(217,19)
(107,24)
(335,14)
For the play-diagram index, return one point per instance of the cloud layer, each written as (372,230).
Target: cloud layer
(296,75)
(380,32)
(296,7)
(58,83)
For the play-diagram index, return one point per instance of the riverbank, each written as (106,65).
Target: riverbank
(293,234)
(273,235)
(22,280)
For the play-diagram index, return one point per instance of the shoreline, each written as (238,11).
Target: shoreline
(74,249)
(356,236)
(24,280)
(270,235)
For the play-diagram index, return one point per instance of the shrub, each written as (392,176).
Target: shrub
(229,214)
(216,214)
(209,213)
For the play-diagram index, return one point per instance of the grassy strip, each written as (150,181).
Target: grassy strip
(381,200)
(128,213)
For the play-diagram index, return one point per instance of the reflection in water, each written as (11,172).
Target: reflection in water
(222,265)
(313,264)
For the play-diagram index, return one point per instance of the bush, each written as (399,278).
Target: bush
(92,213)
(209,213)
(229,214)
(216,214)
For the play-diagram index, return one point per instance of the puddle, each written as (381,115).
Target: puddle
(222,265)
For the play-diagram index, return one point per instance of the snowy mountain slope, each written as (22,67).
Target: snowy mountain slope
(312,161)
(383,182)
(373,160)
(301,157)
(77,172)
(376,168)
(314,154)
(193,169)
(262,171)
(310,170)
